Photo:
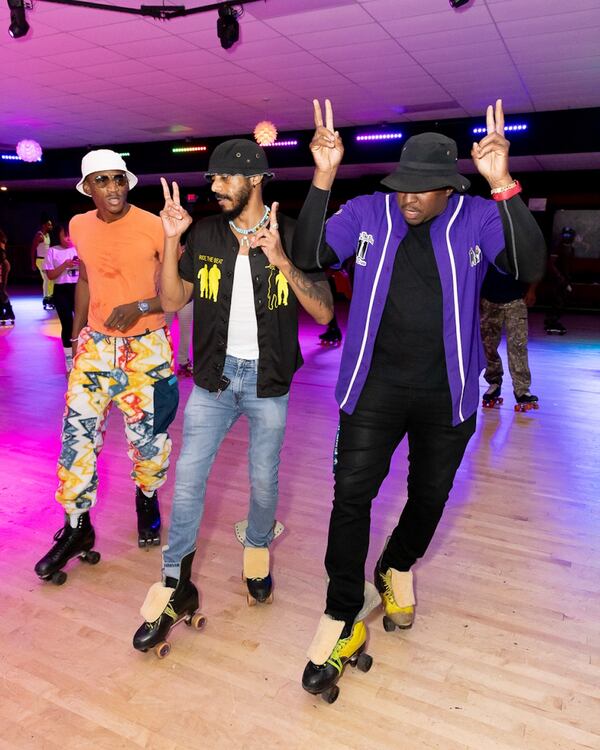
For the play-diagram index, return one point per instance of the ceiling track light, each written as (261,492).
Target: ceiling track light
(18,20)
(457,3)
(228,28)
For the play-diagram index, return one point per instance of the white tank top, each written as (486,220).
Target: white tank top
(242,335)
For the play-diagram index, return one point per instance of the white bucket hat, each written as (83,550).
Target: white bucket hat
(101,160)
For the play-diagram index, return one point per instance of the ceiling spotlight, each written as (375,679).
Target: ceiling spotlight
(228,28)
(18,22)
(457,3)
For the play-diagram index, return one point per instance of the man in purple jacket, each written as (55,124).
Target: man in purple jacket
(412,355)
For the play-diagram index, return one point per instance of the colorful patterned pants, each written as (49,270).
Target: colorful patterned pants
(512,315)
(136,374)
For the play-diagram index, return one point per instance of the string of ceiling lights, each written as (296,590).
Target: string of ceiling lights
(228,28)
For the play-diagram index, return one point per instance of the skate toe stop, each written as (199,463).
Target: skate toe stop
(327,635)
(156,600)
(256,562)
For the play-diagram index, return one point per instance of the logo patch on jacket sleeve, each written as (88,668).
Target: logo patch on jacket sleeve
(364,240)
(474,255)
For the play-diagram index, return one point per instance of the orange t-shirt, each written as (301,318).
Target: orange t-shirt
(122,259)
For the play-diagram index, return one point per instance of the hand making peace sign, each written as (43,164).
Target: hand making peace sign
(326,146)
(269,241)
(490,155)
(175,219)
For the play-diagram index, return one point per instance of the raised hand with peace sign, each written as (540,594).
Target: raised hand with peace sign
(175,219)
(326,146)
(490,155)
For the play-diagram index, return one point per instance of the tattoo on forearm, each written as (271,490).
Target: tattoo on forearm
(316,290)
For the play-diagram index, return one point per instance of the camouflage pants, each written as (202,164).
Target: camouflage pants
(513,315)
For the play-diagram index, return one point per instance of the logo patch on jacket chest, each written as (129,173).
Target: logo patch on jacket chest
(474,255)
(364,240)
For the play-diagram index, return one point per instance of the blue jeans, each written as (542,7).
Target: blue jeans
(208,418)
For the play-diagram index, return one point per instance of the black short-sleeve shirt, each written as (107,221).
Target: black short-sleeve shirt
(208,262)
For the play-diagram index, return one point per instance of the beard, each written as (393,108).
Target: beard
(239,201)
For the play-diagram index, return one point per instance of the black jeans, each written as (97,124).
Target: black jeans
(366,443)
(64,302)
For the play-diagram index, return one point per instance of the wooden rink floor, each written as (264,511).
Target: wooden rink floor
(505,650)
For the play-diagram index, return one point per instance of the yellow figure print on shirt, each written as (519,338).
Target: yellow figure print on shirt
(209,282)
(279,290)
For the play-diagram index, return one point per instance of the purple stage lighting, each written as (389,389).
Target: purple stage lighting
(379,137)
(516,128)
(281,143)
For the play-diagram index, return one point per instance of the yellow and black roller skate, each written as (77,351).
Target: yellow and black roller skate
(326,664)
(165,606)
(397,596)
(335,645)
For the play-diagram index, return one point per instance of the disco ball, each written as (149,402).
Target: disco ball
(265,133)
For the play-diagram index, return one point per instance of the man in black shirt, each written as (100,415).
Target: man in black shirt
(246,293)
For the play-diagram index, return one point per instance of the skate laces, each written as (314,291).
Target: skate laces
(335,659)
(169,611)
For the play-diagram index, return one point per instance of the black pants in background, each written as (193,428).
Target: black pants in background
(64,302)
(367,440)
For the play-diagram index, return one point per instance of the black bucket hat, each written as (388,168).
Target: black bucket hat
(427,162)
(238,156)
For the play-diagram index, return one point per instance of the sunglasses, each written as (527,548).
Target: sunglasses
(102,180)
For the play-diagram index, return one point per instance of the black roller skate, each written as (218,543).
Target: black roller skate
(165,606)
(335,645)
(332,336)
(185,370)
(70,542)
(48,303)
(257,576)
(554,327)
(148,519)
(7,315)
(492,398)
(526,402)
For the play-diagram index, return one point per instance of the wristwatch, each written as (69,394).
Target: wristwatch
(143,306)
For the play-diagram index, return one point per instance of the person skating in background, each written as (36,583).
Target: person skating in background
(62,268)
(39,248)
(122,355)
(246,296)
(558,280)
(412,354)
(7,315)
(504,302)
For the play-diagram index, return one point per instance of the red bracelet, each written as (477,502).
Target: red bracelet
(509,193)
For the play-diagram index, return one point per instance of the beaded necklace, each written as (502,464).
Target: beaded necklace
(245,240)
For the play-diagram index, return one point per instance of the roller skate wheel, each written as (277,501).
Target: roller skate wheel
(58,578)
(388,624)
(364,662)
(250,600)
(92,557)
(331,695)
(198,621)
(162,649)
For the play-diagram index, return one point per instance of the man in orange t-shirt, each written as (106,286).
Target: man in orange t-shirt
(122,354)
